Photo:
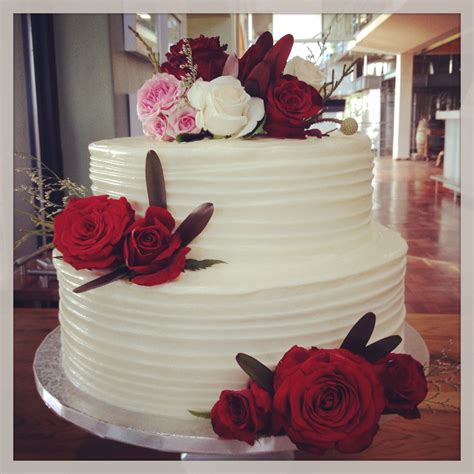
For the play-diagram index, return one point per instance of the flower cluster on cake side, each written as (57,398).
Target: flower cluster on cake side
(323,398)
(201,91)
(103,233)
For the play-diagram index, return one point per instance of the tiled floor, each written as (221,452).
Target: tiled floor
(405,200)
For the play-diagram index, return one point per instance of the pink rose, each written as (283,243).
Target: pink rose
(183,120)
(159,93)
(157,126)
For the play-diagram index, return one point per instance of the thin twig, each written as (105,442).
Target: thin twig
(328,88)
(153,57)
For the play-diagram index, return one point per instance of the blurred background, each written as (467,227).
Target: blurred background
(76,77)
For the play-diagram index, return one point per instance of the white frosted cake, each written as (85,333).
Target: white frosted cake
(304,261)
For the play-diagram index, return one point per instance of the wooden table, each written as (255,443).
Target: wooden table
(41,435)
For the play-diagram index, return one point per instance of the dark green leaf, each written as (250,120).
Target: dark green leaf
(201,414)
(258,130)
(102,280)
(155,180)
(359,335)
(381,348)
(257,371)
(192,137)
(193,265)
(409,414)
(194,224)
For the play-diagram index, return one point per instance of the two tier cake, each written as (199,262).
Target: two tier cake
(304,260)
(280,264)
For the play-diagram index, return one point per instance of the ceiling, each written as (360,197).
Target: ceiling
(407,33)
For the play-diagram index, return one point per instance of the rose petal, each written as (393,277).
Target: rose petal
(231,66)
(223,124)
(197,94)
(254,115)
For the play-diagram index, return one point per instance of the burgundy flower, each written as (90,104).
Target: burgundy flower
(242,414)
(254,55)
(404,383)
(327,399)
(152,252)
(89,231)
(289,102)
(208,55)
(269,69)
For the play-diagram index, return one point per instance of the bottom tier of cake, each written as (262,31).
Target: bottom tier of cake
(170,348)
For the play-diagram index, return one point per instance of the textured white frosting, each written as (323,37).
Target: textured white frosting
(282,199)
(304,263)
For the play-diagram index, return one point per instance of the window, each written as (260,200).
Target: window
(306,29)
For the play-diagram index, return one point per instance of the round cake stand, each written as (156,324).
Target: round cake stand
(193,438)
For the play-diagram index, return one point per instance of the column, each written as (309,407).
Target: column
(403,104)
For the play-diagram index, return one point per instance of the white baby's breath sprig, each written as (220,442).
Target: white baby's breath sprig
(443,372)
(39,194)
(192,70)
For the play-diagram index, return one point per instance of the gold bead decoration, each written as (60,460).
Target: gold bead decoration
(349,126)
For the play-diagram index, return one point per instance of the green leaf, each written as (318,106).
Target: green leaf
(155,180)
(257,371)
(193,265)
(201,414)
(359,335)
(381,348)
(193,137)
(105,279)
(258,130)
(195,223)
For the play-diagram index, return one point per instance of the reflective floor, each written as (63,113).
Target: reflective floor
(405,200)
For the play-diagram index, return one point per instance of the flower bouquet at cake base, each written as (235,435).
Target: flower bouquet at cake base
(323,398)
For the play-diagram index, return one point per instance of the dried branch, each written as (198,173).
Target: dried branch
(153,57)
(39,194)
(328,88)
(444,371)
(321,44)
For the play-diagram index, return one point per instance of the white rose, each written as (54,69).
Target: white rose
(224,108)
(305,71)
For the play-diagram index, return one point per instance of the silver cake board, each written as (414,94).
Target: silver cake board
(193,438)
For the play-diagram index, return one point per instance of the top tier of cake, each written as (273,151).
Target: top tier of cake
(275,200)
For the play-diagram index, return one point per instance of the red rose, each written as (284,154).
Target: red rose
(290,362)
(208,55)
(152,252)
(242,414)
(289,102)
(89,231)
(331,399)
(404,383)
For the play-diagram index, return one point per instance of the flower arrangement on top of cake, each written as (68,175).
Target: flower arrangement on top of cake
(201,91)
